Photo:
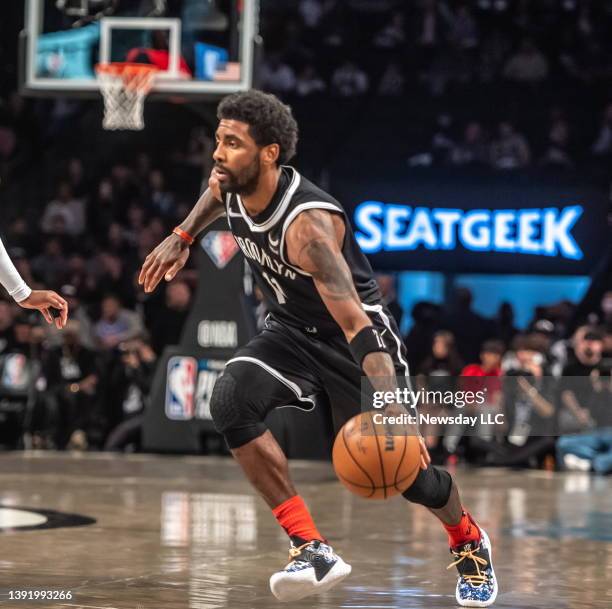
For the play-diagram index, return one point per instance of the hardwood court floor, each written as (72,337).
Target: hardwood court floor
(188,533)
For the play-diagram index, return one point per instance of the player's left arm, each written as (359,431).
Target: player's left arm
(314,241)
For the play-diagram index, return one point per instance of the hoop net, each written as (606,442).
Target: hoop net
(124,87)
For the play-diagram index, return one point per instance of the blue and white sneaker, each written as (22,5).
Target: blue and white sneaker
(477,584)
(314,568)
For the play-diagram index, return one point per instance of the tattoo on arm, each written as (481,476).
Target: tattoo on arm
(379,368)
(332,272)
(320,254)
(314,246)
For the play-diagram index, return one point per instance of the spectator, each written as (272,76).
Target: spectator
(494,49)
(50,266)
(77,179)
(469,328)
(124,185)
(464,30)
(510,149)
(160,199)
(19,236)
(490,361)
(528,65)
(603,142)
(311,12)
(103,210)
(309,82)
(81,279)
(426,317)
(586,353)
(430,25)
(348,80)
(116,324)
(525,351)
(116,241)
(7,317)
(83,327)
(557,153)
(277,76)
(473,149)
(66,207)
(438,374)
(580,397)
(442,141)
(166,322)
(529,405)
(587,452)
(585,404)
(19,374)
(112,275)
(482,377)
(504,323)
(131,382)
(393,34)
(392,81)
(444,359)
(72,376)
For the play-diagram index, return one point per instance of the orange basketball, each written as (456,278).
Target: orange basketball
(371,461)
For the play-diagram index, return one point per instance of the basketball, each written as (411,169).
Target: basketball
(373,463)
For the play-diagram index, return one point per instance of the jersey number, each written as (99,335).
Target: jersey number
(280,295)
(379,340)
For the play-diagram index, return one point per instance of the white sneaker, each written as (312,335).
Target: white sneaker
(576,464)
(314,568)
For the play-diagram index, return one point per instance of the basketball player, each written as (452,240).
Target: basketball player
(326,328)
(44,301)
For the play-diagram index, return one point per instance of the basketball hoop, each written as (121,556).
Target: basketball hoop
(124,87)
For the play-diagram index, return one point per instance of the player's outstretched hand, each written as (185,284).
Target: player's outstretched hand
(165,261)
(47,301)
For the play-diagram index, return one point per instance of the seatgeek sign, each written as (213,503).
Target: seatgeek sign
(391,227)
(460,222)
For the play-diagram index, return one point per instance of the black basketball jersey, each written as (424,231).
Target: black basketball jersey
(289,292)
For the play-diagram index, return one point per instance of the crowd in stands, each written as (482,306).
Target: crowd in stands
(89,242)
(84,224)
(555,391)
(511,83)
(387,47)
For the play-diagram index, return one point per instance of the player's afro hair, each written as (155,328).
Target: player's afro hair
(270,121)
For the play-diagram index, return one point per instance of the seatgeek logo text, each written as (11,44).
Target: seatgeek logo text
(392,227)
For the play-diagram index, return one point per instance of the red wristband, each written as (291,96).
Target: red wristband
(183,235)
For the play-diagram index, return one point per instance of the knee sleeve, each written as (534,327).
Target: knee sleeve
(432,488)
(233,415)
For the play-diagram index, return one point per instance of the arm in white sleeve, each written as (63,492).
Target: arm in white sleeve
(10,277)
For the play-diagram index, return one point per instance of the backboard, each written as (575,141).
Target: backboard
(203,48)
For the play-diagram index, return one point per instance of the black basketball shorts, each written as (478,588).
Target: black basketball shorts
(285,366)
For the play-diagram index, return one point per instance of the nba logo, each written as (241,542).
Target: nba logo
(220,246)
(180,388)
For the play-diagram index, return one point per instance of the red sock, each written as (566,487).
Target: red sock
(463,532)
(294,517)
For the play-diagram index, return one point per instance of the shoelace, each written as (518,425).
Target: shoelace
(474,579)
(295,552)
